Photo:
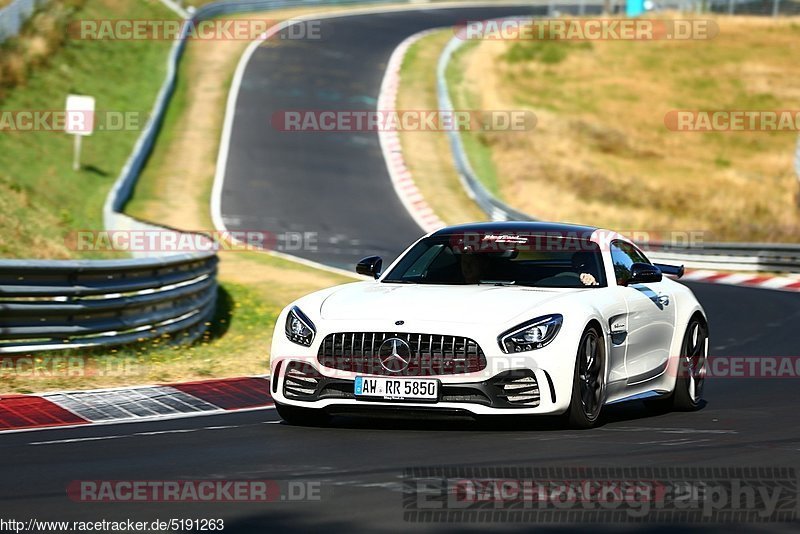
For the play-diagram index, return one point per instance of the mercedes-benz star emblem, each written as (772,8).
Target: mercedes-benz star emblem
(394,354)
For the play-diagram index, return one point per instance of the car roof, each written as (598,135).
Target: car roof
(523,227)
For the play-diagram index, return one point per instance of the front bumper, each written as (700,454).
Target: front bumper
(518,391)
(473,393)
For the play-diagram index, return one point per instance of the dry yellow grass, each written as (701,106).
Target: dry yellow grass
(601,153)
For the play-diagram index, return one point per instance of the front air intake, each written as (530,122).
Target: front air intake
(523,391)
(300,381)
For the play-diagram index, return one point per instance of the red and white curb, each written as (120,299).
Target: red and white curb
(782,283)
(106,406)
(400,174)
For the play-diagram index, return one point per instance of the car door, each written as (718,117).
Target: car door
(650,318)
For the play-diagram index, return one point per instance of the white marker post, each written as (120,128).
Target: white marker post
(80,122)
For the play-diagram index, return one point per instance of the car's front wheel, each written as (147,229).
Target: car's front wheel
(588,384)
(302,416)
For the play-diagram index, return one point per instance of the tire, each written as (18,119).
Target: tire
(302,416)
(588,383)
(688,395)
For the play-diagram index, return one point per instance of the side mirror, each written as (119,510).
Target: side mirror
(643,273)
(370,266)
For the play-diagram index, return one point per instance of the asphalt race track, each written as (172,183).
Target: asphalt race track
(332,184)
(337,185)
(359,463)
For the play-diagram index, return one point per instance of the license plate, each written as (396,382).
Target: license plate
(397,388)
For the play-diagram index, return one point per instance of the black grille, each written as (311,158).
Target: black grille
(431,354)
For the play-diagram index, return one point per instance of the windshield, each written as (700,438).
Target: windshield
(533,261)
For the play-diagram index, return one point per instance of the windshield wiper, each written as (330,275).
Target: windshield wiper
(498,282)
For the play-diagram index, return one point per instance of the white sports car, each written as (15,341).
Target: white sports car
(514,318)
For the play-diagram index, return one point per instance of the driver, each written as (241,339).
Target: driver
(582,264)
(472,267)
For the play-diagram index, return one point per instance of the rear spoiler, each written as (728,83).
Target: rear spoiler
(670,269)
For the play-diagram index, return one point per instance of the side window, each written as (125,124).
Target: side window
(623,255)
(637,254)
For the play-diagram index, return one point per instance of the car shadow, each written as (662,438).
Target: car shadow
(631,411)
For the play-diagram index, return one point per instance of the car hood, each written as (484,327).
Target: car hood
(464,304)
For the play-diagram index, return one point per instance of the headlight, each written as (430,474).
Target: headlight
(531,335)
(299,328)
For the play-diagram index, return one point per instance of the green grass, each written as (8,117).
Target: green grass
(41,198)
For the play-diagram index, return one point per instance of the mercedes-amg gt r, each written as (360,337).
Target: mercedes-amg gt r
(519,318)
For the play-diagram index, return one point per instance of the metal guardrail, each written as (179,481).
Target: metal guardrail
(14,15)
(47,305)
(759,257)
(773,8)
(755,257)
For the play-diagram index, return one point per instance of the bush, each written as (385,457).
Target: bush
(41,36)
